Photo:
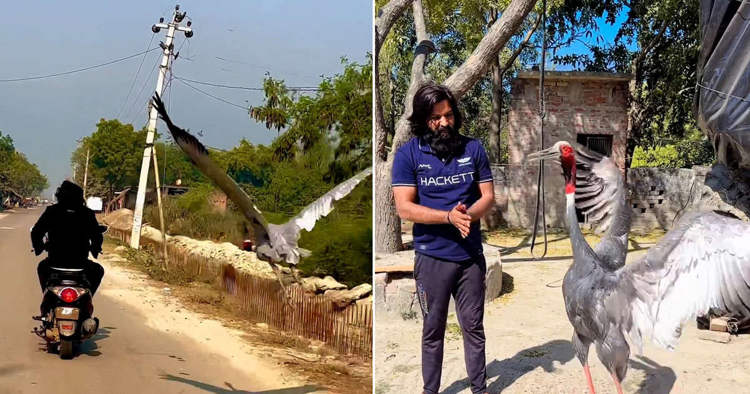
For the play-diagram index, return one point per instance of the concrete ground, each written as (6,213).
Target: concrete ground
(529,351)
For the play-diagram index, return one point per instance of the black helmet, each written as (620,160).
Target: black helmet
(69,194)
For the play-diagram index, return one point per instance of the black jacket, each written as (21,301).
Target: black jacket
(72,232)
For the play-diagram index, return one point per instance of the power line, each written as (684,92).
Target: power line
(218,85)
(211,95)
(145,82)
(76,70)
(135,78)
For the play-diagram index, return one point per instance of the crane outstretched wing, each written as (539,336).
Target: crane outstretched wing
(702,263)
(307,218)
(600,192)
(199,156)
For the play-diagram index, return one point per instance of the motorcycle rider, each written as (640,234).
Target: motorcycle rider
(72,231)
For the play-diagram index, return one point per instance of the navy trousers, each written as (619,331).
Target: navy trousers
(436,281)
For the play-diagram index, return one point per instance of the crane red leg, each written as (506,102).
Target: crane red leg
(617,384)
(588,378)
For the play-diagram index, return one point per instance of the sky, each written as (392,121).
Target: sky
(235,43)
(605,33)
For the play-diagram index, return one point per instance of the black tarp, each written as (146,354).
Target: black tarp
(723,90)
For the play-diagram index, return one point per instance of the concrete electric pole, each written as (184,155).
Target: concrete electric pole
(167,46)
(85,174)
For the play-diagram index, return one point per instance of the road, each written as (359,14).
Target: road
(126,354)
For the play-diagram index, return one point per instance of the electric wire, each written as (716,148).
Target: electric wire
(219,85)
(140,92)
(58,74)
(135,78)
(245,108)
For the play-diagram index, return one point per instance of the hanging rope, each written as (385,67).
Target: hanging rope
(540,174)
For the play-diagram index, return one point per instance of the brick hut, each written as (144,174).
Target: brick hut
(590,108)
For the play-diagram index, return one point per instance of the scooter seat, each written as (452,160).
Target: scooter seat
(67,269)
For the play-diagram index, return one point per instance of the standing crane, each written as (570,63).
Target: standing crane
(702,263)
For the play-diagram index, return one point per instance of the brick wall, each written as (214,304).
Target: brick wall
(576,103)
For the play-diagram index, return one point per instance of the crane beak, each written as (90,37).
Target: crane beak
(545,154)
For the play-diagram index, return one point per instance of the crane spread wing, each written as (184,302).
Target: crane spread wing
(702,263)
(600,191)
(199,156)
(307,218)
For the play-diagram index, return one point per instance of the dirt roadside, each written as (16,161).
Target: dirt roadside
(528,345)
(200,312)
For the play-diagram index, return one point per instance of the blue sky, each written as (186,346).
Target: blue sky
(235,43)
(606,34)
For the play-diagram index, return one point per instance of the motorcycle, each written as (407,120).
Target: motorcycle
(67,319)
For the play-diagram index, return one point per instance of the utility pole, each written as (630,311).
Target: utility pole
(85,173)
(167,46)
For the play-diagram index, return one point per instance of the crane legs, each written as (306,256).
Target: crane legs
(588,378)
(617,383)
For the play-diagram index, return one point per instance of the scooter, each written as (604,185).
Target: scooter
(68,320)
(67,310)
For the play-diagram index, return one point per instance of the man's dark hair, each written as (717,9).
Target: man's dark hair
(69,194)
(426,98)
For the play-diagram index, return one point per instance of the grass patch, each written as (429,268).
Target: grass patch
(453,331)
(145,260)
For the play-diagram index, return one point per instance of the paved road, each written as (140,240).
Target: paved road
(124,357)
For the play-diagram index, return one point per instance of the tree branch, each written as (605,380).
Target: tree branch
(417,75)
(641,56)
(483,56)
(385,20)
(521,46)
(388,15)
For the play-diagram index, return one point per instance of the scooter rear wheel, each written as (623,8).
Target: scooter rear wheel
(51,347)
(66,349)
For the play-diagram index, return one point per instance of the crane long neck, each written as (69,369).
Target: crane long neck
(578,243)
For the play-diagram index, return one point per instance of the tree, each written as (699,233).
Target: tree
(658,45)
(17,173)
(116,153)
(339,115)
(6,155)
(24,177)
(275,114)
(476,65)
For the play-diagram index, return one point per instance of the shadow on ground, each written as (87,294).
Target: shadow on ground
(90,346)
(659,379)
(9,369)
(523,362)
(231,389)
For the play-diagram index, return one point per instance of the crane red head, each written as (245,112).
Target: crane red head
(566,154)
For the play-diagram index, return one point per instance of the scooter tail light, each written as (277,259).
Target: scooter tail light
(68,295)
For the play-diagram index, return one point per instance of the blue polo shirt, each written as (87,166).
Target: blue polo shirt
(441,185)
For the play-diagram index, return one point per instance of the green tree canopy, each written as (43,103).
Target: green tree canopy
(115,154)
(17,173)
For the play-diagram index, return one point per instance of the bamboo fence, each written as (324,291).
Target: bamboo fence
(347,330)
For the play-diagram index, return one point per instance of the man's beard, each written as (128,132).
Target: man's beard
(445,141)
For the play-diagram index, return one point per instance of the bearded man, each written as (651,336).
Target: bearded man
(442,183)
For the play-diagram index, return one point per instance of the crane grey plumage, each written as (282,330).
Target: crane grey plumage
(275,242)
(599,194)
(702,263)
